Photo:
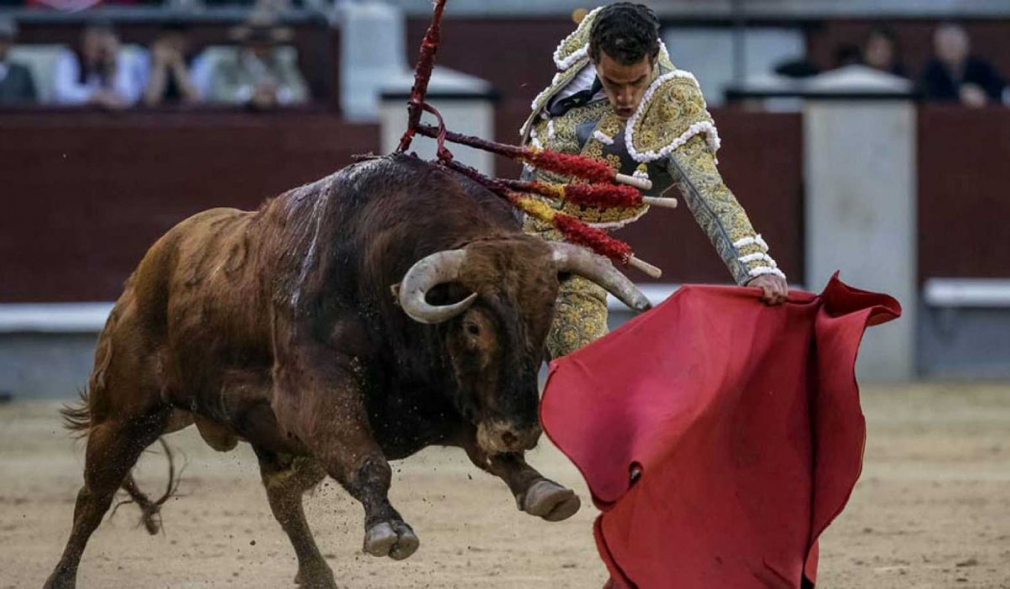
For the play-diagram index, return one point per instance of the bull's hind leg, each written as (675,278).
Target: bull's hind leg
(113,448)
(534,493)
(286,479)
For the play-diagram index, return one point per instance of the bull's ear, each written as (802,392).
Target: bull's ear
(395,289)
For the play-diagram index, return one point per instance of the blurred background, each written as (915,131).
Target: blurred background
(867,137)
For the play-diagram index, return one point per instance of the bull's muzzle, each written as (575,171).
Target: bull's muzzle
(502,437)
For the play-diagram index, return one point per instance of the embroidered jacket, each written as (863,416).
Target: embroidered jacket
(671,138)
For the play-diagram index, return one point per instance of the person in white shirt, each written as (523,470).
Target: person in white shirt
(99,73)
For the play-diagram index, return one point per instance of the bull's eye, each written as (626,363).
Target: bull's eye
(473,329)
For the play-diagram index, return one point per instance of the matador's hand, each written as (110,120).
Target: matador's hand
(775,289)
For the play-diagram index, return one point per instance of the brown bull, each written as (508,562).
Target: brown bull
(280,328)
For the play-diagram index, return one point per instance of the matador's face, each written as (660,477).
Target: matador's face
(625,85)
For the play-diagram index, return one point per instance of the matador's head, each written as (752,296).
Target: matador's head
(624,47)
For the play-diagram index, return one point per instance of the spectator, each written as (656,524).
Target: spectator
(259,74)
(99,73)
(168,79)
(955,75)
(846,55)
(881,51)
(79,5)
(16,84)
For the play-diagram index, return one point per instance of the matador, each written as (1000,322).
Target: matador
(617,97)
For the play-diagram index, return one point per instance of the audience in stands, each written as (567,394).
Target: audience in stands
(955,75)
(881,51)
(17,87)
(78,5)
(260,74)
(99,72)
(169,80)
(846,55)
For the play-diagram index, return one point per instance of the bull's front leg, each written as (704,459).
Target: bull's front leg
(319,399)
(534,493)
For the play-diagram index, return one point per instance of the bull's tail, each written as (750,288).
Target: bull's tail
(77,417)
(151,510)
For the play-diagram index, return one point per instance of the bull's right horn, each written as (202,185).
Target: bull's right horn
(580,261)
(438,268)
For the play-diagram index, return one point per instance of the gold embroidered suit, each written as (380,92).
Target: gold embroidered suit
(672,140)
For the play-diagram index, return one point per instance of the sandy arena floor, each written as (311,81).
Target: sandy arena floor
(932,511)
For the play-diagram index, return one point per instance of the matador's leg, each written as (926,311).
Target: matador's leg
(580,317)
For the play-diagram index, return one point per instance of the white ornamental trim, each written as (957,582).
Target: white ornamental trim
(705,127)
(545,91)
(663,51)
(756,240)
(602,137)
(564,64)
(764,270)
(536,102)
(709,129)
(759,258)
(641,175)
(534,140)
(622,222)
(550,129)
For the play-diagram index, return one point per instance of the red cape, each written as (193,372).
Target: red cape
(745,423)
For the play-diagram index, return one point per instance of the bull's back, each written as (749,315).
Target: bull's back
(215,294)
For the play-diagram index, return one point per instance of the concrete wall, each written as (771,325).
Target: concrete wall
(45,366)
(861,215)
(963,342)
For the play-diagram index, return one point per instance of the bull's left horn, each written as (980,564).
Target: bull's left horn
(580,261)
(438,268)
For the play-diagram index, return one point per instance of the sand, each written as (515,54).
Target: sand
(932,510)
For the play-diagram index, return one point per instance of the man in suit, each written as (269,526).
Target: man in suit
(16,84)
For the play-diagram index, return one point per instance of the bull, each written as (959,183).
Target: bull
(280,328)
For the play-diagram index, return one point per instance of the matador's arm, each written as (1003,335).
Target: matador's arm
(673,127)
(693,169)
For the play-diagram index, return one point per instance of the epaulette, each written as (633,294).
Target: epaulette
(575,46)
(571,55)
(673,111)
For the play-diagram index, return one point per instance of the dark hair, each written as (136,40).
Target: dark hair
(887,33)
(626,32)
(881,30)
(95,25)
(847,54)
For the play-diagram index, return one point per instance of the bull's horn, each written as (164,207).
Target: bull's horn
(580,261)
(438,268)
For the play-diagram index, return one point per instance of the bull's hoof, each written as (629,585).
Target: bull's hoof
(315,578)
(550,501)
(393,539)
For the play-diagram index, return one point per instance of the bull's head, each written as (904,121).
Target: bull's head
(504,293)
